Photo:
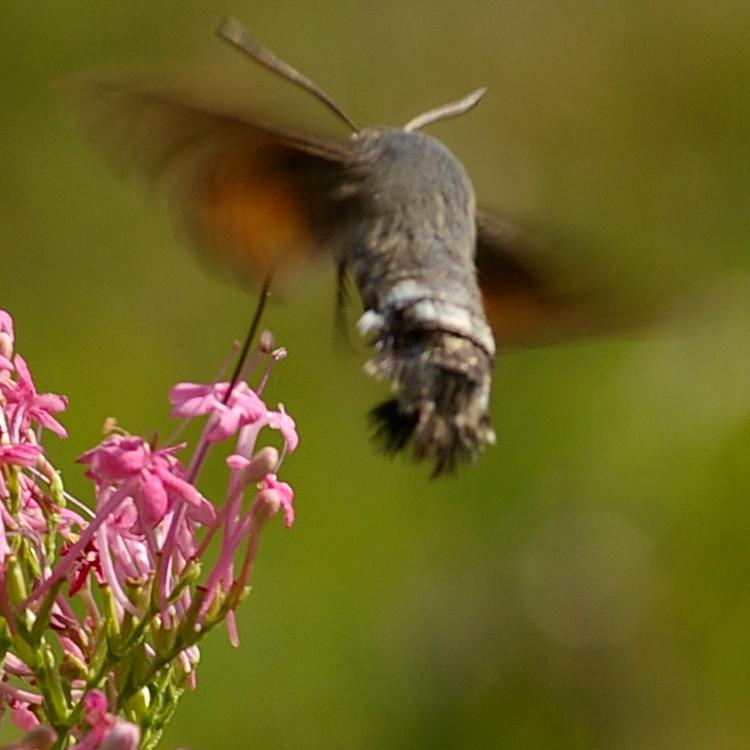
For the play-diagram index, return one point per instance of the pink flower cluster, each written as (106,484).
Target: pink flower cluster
(133,564)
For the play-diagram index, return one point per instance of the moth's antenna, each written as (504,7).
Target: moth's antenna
(232,31)
(453,109)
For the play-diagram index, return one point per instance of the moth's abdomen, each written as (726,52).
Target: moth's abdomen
(438,359)
(412,257)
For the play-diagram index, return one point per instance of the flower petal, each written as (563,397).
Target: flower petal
(281,421)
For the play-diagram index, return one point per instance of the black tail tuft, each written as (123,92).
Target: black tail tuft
(442,383)
(396,429)
(393,428)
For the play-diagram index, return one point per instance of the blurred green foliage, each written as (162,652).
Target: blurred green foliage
(587,583)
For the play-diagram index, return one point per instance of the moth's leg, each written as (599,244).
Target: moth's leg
(341,337)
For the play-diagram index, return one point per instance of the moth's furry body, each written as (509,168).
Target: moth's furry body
(411,252)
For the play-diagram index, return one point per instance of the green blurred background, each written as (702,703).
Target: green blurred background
(587,583)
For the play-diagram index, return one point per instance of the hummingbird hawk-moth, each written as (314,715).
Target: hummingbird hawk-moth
(391,207)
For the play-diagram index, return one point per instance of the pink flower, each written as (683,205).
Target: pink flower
(285,496)
(153,478)
(145,545)
(6,340)
(6,324)
(99,719)
(137,489)
(24,454)
(22,716)
(281,421)
(122,736)
(32,406)
(95,705)
(115,459)
(241,408)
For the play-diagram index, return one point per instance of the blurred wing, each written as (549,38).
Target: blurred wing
(256,198)
(533,297)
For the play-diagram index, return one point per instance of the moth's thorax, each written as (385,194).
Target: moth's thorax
(404,161)
(414,243)
(419,180)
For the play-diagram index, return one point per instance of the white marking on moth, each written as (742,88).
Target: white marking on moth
(370,322)
(371,369)
(406,291)
(456,319)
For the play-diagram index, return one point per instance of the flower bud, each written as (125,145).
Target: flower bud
(139,703)
(122,736)
(266,342)
(6,345)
